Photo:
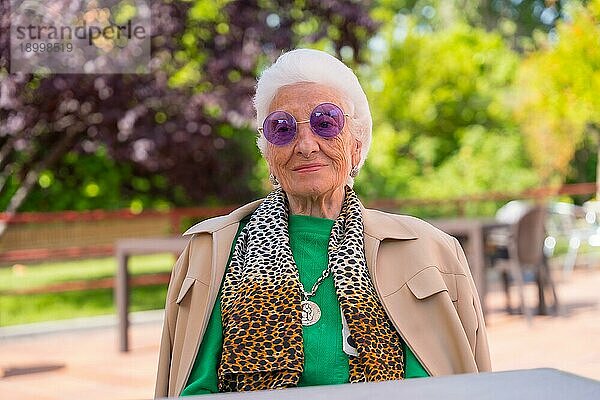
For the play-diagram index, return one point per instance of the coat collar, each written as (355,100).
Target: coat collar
(377,224)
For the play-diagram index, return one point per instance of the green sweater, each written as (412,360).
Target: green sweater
(325,363)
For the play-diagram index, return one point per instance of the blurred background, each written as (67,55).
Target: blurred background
(475,103)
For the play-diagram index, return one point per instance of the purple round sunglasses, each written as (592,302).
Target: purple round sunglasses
(326,120)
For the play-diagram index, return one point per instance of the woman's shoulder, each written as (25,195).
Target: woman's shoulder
(429,246)
(380,223)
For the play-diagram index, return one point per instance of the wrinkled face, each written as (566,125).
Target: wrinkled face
(310,165)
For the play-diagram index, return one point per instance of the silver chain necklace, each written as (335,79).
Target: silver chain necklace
(311,313)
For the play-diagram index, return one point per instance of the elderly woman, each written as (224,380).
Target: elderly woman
(308,287)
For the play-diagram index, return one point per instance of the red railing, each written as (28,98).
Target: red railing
(18,250)
(177,216)
(100,215)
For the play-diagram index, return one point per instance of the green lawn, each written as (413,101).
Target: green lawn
(35,275)
(55,306)
(20,309)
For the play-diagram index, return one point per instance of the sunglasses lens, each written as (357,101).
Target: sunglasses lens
(327,120)
(279,128)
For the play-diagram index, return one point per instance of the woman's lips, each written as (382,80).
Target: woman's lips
(308,168)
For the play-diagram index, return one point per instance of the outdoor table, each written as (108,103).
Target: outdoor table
(547,384)
(123,249)
(474,231)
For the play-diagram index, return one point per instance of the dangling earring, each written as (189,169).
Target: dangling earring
(273,180)
(354,171)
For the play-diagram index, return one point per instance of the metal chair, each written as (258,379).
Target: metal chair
(524,253)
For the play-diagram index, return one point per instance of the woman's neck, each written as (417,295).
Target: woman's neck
(327,205)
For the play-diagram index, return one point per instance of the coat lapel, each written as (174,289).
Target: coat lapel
(378,226)
(223,230)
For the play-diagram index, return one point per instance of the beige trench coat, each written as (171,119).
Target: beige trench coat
(420,273)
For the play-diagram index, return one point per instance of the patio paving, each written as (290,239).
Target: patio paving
(86,364)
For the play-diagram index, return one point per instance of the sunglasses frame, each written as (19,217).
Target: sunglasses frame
(261,129)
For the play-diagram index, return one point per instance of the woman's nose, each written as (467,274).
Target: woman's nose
(307,142)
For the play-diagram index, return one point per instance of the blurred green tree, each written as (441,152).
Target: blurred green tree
(87,180)
(525,23)
(558,103)
(522,23)
(442,121)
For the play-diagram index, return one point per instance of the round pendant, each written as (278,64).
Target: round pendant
(310,313)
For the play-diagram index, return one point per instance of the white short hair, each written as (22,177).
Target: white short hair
(308,65)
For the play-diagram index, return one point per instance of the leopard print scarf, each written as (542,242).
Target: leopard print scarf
(261,311)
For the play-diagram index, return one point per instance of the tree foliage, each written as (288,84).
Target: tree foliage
(442,125)
(522,23)
(559,85)
(190,119)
